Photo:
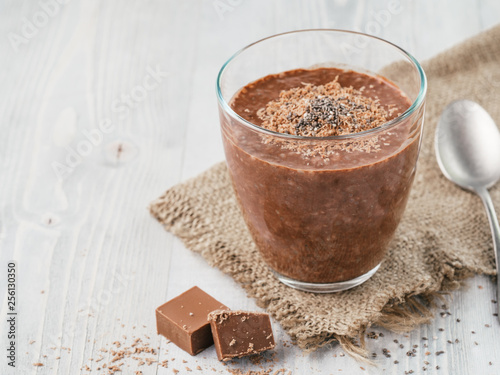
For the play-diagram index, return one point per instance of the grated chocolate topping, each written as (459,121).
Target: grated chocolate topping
(322,111)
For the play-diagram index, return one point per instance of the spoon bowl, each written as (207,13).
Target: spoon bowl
(468,145)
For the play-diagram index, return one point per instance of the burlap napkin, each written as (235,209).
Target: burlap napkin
(443,238)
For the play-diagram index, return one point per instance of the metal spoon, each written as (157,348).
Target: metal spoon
(468,153)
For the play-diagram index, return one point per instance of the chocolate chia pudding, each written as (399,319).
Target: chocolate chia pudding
(321,208)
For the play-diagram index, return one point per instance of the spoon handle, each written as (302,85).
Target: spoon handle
(495,231)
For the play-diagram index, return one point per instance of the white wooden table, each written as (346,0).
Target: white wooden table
(91,264)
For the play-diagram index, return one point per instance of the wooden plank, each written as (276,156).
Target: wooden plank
(440,25)
(489,13)
(92,275)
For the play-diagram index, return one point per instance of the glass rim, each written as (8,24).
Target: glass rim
(387,125)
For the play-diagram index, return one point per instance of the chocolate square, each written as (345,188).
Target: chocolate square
(183,320)
(240,333)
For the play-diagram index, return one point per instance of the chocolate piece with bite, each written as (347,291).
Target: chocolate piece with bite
(240,333)
(183,320)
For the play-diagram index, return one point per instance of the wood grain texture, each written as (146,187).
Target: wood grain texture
(91,263)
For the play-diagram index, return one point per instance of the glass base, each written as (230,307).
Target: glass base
(326,287)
